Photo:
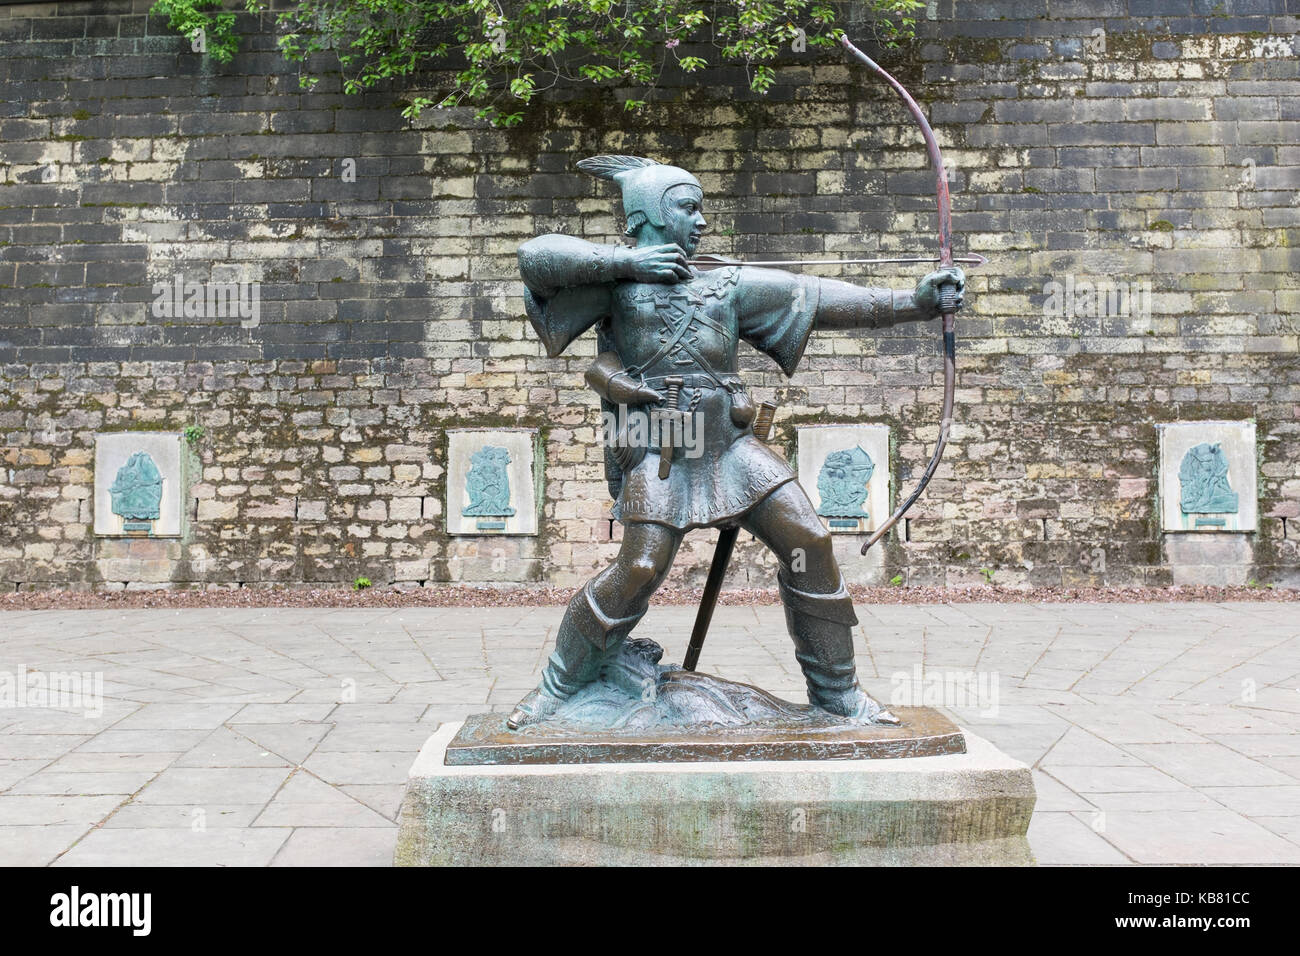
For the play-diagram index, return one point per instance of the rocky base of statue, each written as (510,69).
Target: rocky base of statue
(966,808)
(639,709)
(635,692)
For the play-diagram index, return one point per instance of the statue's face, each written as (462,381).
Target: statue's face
(683,211)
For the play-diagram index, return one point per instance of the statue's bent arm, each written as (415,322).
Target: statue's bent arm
(567,287)
(554,262)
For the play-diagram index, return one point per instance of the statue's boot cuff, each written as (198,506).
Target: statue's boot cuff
(821,626)
(586,638)
(835,606)
(602,630)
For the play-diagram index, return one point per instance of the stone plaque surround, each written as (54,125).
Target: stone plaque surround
(817,442)
(1237,440)
(112,451)
(814,443)
(522,473)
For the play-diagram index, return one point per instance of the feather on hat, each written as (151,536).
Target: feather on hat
(643,183)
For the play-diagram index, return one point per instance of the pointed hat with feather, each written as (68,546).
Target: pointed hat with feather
(643,182)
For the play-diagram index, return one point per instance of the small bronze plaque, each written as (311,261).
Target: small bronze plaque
(484,739)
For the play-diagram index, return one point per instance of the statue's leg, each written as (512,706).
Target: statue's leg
(818,610)
(599,617)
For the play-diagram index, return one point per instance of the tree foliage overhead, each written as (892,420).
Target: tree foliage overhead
(501,54)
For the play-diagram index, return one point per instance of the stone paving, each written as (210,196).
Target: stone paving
(1158,733)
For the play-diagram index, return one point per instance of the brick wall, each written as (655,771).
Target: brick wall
(1133,140)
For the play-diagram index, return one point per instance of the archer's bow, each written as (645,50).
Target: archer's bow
(947,291)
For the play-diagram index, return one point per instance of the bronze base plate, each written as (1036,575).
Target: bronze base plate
(485,739)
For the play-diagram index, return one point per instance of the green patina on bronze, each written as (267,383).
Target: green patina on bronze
(488,484)
(136,491)
(1203,482)
(668,337)
(842,483)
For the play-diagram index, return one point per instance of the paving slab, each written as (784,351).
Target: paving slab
(1207,837)
(1062,839)
(196,785)
(339,846)
(154,846)
(86,783)
(55,810)
(1208,765)
(227,747)
(37,845)
(183,817)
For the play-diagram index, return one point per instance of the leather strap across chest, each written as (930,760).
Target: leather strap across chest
(665,347)
(678,332)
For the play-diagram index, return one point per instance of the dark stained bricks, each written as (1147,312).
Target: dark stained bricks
(390,307)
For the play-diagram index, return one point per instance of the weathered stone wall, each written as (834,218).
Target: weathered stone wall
(1129,140)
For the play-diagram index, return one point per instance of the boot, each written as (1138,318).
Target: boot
(822,628)
(586,639)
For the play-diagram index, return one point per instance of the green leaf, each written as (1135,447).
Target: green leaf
(507,52)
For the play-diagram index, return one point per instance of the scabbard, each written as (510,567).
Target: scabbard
(673,384)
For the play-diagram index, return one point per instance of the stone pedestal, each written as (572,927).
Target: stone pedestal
(967,808)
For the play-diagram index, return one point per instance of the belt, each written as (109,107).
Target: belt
(698,380)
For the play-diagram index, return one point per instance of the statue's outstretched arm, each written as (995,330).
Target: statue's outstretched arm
(842,305)
(778,310)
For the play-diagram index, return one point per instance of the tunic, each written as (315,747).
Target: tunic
(692,329)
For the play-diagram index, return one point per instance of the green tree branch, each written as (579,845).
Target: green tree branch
(503,54)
